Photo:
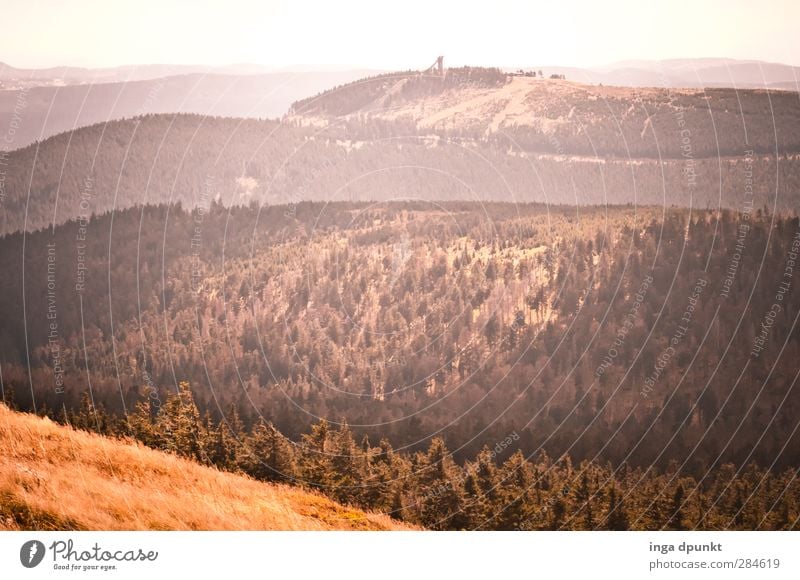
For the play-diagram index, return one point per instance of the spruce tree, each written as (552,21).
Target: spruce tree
(677,517)
(345,465)
(180,426)
(442,498)
(583,497)
(315,460)
(270,456)
(516,493)
(141,427)
(617,516)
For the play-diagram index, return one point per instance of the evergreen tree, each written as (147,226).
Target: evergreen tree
(270,455)
(179,422)
(583,496)
(516,493)
(90,417)
(345,465)
(141,425)
(677,517)
(617,517)
(315,461)
(442,499)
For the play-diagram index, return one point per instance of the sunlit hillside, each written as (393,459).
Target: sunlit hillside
(57,478)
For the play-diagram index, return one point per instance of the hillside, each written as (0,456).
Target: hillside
(427,488)
(405,319)
(567,118)
(40,112)
(57,478)
(477,134)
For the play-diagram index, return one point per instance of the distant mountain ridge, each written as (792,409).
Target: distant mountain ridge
(70,75)
(677,72)
(59,99)
(686,73)
(470,134)
(40,112)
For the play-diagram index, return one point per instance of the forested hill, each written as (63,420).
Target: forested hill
(616,333)
(475,134)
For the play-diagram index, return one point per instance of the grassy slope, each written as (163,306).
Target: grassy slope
(56,478)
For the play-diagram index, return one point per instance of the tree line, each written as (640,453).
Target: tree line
(428,488)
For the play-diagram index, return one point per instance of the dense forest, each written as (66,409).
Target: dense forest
(429,489)
(637,336)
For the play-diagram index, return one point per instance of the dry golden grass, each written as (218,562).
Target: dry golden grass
(57,478)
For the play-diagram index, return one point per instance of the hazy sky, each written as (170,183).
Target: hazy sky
(399,34)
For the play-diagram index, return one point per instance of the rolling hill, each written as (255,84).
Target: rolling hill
(474,134)
(563,117)
(41,111)
(56,478)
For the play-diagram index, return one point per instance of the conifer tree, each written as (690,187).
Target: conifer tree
(583,497)
(141,426)
(270,455)
(179,422)
(233,431)
(441,491)
(677,518)
(92,418)
(345,465)
(315,461)
(516,492)
(8,397)
(617,517)
(476,508)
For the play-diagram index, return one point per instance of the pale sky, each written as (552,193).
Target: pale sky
(393,35)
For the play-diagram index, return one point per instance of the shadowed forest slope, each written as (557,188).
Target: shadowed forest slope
(613,331)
